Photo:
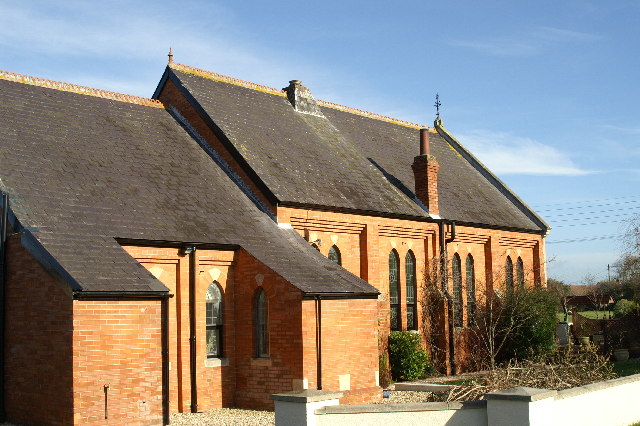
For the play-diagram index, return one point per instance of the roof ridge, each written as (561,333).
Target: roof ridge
(280,92)
(82,90)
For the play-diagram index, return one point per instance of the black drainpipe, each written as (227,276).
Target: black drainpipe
(444,268)
(319,340)
(191,250)
(164,312)
(4,216)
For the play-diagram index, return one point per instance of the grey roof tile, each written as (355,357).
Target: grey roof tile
(82,171)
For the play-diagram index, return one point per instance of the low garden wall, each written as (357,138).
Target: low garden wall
(613,402)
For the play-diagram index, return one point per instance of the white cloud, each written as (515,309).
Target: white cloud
(531,42)
(507,154)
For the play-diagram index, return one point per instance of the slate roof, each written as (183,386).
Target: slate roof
(347,159)
(82,170)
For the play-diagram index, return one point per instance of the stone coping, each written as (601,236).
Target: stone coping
(307,395)
(396,408)
(593,387)
(422,387)
(521,393)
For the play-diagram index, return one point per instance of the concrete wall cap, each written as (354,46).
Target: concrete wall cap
(396,408)
(307,395)
(521,393)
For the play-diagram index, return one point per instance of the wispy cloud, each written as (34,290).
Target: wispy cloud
(507,154)
(86,33)
(630,130)
(526,43)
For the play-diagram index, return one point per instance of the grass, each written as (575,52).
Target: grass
(627,368)
(588,314)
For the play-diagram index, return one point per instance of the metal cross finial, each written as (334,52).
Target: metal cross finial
(437,105)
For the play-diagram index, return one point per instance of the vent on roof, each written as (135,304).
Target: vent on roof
(301,99)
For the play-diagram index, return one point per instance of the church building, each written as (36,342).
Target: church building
(223,241)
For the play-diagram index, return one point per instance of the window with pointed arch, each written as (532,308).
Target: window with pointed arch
(411,291)
(456,272)
(508,272)
(261,321)
(471,291)
(213,302)
(334,255)
(520,273)
(394,289)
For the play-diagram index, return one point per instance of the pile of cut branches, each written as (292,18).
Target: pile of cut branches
(558,371)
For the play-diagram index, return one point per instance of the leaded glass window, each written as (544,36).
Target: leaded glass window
(471,291)
(456,272)
(394,289)
(334,255)
(508,271)
(410,268)
(520,273)
(261,324)
(213,302)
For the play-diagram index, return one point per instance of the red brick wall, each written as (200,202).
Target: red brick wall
(215,384)
(366,241)
(349,347)
(38,332)
(257,379)
(117,343)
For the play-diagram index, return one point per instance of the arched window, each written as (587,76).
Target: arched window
(261,310)
(410,270)
(508,272)
(520,273)
(213,302)
(334,255)
(394,289)
(456,272)
(471,291)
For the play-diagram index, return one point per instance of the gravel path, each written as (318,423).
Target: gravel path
(225,417)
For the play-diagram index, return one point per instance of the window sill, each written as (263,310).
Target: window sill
(216,362)
(261,362)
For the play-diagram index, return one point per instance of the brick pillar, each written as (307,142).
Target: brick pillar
(425,170)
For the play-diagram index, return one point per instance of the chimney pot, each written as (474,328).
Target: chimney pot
(424,142)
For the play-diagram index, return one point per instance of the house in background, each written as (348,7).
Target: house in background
(225,241)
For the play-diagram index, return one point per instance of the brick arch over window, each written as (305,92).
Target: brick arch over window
(520,273)
(470,274)
(334,254)
(411,291)
(508,273)
(456,272)
(261,324)
(213,303)
(394,289)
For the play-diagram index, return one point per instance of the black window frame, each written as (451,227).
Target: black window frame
(218,326)
(508,272)
(261,324)
(335,255)
(470,273)
(456,275)
(411,290)
(394,284)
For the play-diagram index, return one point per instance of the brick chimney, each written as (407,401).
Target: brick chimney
(301,99)
(425,170)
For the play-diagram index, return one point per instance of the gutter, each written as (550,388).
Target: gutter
(191,251)
(318,300)
(4,216)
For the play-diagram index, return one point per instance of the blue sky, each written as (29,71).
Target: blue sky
(544,93)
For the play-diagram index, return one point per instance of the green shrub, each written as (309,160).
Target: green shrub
(624,307)
(409,361)
(535,314)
